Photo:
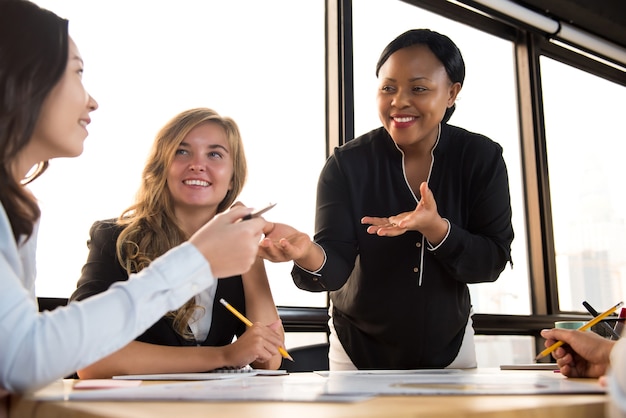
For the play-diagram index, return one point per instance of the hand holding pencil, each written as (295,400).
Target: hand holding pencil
(249,323)
(585,327)
(584,354)
(580,354)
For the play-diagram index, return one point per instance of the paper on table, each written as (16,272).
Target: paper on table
(530,366)
(240,387)
(214,375)
(183,376)
(327,373)
(470,382)
(311,387)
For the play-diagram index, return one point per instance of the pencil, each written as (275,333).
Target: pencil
(584,327)
(246,321)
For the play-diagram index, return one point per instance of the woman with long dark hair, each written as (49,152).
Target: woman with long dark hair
(44,113)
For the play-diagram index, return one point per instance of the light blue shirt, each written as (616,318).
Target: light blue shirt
(38,348)
(617,379)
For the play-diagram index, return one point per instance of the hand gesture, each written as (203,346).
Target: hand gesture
(283,243)
(424,218)
(586,354)
(229,245)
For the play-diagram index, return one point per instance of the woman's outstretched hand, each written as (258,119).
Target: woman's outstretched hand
(285,243)
(424,218)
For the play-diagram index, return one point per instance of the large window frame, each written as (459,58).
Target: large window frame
(530,45)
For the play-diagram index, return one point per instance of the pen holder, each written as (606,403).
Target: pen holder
(577,324)
(569,324)
(619,325)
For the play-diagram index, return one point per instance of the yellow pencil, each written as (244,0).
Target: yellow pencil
(246,321)
(584,327)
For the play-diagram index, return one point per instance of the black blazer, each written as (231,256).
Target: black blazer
(103,269)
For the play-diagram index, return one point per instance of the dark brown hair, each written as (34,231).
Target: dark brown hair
(33,56)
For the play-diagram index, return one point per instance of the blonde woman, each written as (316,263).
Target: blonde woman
(196,169)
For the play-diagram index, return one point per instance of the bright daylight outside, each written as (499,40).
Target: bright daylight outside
(267,73)
(211,55)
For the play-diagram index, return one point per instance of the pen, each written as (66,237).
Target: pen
(619,325)
(607,327)
(246,321)
(584,327)
(258,212)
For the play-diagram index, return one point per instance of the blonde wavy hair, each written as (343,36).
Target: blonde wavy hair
(150,227)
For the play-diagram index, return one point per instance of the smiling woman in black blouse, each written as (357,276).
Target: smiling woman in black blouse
(407,215)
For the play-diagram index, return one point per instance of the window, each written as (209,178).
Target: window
(584,119)
(147,61)
(267,72)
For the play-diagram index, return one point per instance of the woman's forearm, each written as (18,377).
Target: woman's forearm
(143,358)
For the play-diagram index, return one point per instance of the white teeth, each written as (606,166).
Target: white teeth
(83,123)
(404,119)
(196,183)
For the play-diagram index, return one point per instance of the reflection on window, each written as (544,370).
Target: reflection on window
(237,57)
(486,104)
(584,135)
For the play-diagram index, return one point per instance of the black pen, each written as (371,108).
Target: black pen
(258,212)
(607,327)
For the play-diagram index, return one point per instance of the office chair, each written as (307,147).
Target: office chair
(50,304)
(307,358)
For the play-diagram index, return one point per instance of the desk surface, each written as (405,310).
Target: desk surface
(440,406)
(539,406)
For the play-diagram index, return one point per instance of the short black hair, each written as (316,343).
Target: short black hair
(444,49)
